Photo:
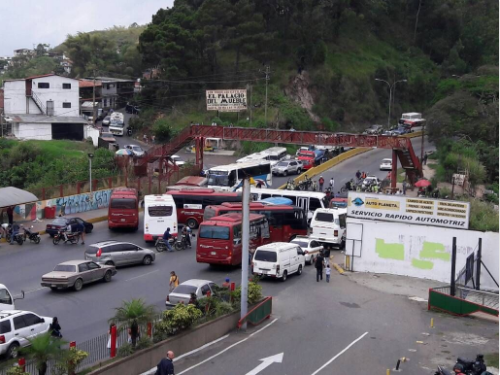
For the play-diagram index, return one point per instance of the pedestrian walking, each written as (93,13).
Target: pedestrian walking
(405,185)
(328,272)
(425,159)
(80,229)
(319,267)
(358,175)
(332,183)
(321,182)
(10,215)
(55,328)
(174,281)
(109,336)
(166,365)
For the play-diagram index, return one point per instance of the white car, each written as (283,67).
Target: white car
(17,326)
(386,165)
(182,294)
(370,181)
(137,150)
(309,246)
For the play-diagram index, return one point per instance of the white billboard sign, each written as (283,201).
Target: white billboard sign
(227,100)
(402,209)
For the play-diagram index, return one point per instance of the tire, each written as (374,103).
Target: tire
(107,277)
(192,223)
(78,285)
(36,240)
(178,246)
(285,173)
(147,260)
(19,240)
(285,274)
(136,228)
(12,351)
(161,247)
(53,288)
(299,271)
(55,240)
(299,171)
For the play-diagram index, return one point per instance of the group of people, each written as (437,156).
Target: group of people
(186,232)
(322,262)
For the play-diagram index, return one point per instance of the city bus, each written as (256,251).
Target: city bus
(123,211)
(219,239)
(159,214)
(229,177)
(273,155)
(285,222)
(309,201)
(191,203)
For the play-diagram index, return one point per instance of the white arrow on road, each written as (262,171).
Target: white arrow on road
(266,362)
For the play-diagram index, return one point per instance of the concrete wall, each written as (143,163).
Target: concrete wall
(146,359)
(417,250)
(59,95)
(15,97)
(27,130)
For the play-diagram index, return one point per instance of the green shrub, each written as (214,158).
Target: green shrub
(16,370)
(483,216)
(143,343)
(254,294)
(179,318)
(125,350)
(224,308)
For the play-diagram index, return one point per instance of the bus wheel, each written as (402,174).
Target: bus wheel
(192,223)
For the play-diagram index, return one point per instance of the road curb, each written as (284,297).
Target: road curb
(338,268)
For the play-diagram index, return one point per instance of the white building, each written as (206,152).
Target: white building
(43,107)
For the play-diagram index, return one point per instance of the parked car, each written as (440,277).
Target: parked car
(106,121)
(75,273)
(286,167)
(182,294)
(386,165)
(137,150)
(371,180)
(17,327)
(278,260)
(375,129)
(61,223)
(310,247)
(117,253)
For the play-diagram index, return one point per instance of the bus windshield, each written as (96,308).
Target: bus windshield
(124,203)
(218,179)
(214,232)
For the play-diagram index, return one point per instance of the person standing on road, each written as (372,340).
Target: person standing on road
(166,237)
(174,281)
(425,159)
(328,272)
(319,267)
(10,215)
(332,183)
(80,229)
(166,365)
(358,175)
(405,185)
(55,328)
(321,182)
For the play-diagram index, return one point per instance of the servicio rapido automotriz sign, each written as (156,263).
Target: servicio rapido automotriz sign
(402,209)
(227,100)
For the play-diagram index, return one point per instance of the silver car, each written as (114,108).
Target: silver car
(117,253)
(182,294)
(287,167)
(137,150)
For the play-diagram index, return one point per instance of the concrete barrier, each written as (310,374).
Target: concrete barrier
(339,159)
(185,342)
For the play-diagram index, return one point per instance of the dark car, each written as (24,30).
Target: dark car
(62,222)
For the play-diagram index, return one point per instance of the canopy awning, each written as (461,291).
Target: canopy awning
(12,196)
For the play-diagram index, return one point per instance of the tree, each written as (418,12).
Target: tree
(41,49)
(131,314)
(42,349)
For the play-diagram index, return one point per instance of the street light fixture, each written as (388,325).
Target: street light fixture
(390,96)
(90,155)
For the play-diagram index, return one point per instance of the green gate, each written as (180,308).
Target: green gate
(258,313)
(465,302)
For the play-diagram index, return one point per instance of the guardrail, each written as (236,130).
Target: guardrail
(440,299)
(258,313)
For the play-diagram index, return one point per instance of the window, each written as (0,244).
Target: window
(314,244)
(31,319)
(185,289)
(83,267)
(314,203)
(65,268)
(124,203)
(111,249)
(342,219)
(5,297)
(299,251)
(93,266)
(5,327)
(43,85)
(205,289)
(323,216)
(265,256)
(159,211)
(67,86)
(66,105)
(19,322)
(128,247)
(214,232)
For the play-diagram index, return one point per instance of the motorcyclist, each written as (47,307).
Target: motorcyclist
(358,174)
(166,237)
(67,231)
(186,232)
(13,232)
(314,186)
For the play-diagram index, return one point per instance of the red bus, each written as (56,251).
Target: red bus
(285,222)
(191,203)
(123,211)
(219,239)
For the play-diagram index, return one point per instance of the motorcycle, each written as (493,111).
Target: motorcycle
(161,246)
(129,132)
(181,243)
(17,238)
(466,367)
(72,238)
(31,236)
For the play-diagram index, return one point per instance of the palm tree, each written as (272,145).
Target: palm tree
(131,314)
(43,348)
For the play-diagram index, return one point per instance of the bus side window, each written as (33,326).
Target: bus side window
(314,203)
(264,229)
(254,197)
(232,178)
(264,196)
(342,220)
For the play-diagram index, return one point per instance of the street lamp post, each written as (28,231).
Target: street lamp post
(393,86)
(90,155)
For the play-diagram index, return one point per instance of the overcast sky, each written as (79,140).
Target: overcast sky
(28,22)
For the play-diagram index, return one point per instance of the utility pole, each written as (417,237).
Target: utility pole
(267,72)
(422,144)
(245,238)
(93,102)
(390,96)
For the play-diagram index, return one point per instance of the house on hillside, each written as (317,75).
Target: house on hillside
(116,92)
(43,107)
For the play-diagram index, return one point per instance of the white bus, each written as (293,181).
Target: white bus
(229,177)
(160,213)
(309,201)
(273,155)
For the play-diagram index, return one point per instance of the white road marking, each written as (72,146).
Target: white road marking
(418,299)
(339,354)
(266,362)
(153,370)
(226,349)
(136,277)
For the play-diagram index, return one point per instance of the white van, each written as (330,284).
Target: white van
(278,259)
(6,298)
(328,226)
(160,213)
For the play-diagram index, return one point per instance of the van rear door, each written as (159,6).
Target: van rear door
(6,299)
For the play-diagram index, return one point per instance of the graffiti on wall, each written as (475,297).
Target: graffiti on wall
(81,203)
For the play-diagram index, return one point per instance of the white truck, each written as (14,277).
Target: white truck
(328,226)
(7,299)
